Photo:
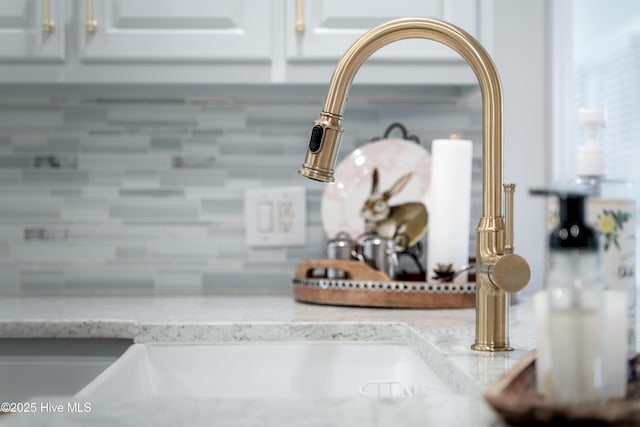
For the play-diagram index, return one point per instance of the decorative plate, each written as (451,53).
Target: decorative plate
(343,199)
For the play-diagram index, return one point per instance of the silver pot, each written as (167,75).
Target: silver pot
(379,253)
(340,247)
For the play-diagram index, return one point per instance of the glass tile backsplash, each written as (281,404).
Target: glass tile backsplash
(141,196)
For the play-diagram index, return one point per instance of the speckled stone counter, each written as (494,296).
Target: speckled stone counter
(442,337)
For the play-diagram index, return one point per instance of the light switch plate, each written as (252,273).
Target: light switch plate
(275,216)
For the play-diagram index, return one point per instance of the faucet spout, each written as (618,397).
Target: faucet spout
(475,55)
(497,272)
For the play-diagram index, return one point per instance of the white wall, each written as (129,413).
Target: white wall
(520,53)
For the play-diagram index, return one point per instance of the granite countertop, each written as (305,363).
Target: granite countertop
(447,333)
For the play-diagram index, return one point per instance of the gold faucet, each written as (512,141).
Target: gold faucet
(498,270)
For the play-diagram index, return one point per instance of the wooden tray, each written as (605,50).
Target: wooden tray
(515,398)
(367,287)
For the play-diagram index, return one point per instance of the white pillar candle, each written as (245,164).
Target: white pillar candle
(449,205)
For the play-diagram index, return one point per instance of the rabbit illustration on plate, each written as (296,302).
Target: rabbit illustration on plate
(406,223)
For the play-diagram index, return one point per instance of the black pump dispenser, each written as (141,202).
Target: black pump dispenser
(572,232)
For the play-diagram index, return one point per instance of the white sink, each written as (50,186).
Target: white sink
(38,366)
(266,370)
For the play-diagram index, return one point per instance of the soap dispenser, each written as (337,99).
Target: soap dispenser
(580,327)
(611,210)
(573,369)
(590,156)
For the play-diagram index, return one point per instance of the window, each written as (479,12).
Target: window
(596,64)
(606,57)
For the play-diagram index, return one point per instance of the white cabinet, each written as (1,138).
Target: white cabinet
(177,31)
(331,26)
(222,41)
(139,41)
(23,35)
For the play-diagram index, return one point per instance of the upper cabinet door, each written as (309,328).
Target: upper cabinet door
(32,30)
(331,26)
(176,31)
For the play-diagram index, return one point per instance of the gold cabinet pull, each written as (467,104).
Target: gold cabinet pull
(300,16)
(47,24)
(90,24)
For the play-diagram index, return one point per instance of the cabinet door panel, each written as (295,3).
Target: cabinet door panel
(171,31)
(333,25)
(22,37)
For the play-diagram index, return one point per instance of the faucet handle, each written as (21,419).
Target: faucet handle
(510,273)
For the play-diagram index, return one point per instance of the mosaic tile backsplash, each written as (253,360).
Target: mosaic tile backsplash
(146,195)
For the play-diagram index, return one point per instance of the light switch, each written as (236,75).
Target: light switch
(265,216)
(275,216)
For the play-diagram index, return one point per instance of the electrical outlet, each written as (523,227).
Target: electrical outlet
(275,216)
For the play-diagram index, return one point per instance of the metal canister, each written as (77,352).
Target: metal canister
(379,252)
(340,247)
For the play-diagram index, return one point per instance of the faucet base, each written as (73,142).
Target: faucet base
(491,347)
